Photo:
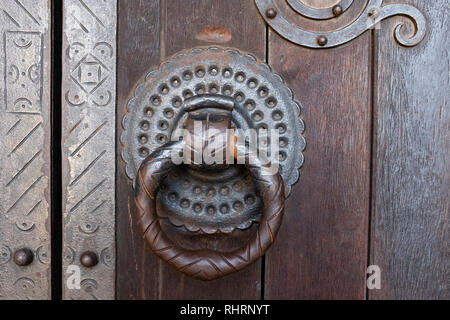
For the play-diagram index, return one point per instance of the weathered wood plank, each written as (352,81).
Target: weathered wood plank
(411,168)
(137,278)
(25,131)
(321,249)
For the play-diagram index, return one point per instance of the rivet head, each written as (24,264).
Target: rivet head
(337,10)
(271,13)
(89,259)
(322,40)
(23,257)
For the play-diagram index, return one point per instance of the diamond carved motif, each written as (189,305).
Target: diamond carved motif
(89,74)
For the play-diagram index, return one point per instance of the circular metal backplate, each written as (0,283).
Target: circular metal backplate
(262,101)
(222,204)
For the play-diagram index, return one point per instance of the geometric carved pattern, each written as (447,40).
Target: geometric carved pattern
(89,74)
(25,144)
(23,76)
(89,89)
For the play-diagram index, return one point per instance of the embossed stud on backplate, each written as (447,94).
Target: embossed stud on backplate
(23,257)
(365,21)
(211,219)
(89,259)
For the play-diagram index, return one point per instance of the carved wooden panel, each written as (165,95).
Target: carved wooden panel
(25,148)
(89,95)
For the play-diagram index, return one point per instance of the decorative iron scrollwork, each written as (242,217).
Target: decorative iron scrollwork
(322,13)
(374,12)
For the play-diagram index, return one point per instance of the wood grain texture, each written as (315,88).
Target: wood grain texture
(410,239)
(321,250)
(138,50)
(160,29)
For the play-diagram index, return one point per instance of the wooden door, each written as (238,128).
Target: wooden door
(372,189)
(368,217)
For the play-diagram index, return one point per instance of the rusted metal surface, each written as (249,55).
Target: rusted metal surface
(374,12)
(214,34)
(89,95)
(25,39)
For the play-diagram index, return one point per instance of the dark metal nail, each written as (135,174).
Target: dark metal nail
(23,257)
(322,40)
(271,13)
(337,10)
(89,259)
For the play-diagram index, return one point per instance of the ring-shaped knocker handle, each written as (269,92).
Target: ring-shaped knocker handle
(212,218)
(205,264)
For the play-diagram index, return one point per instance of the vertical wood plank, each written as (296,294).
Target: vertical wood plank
(137,278)
(321,249)
(184,24)
(411,167)
(229,23)
(25,143)
(88,146)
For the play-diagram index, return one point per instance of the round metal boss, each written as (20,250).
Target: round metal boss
(262,102)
